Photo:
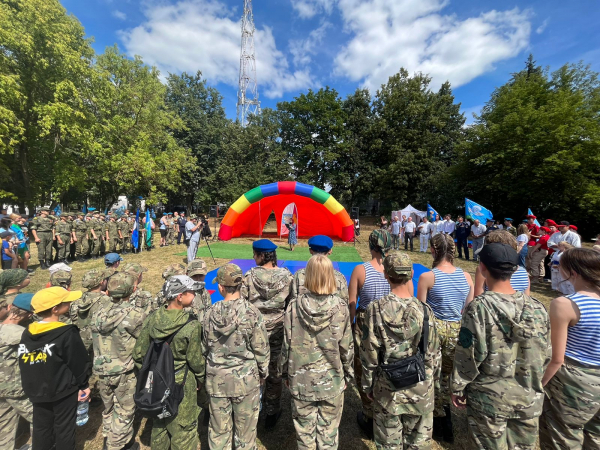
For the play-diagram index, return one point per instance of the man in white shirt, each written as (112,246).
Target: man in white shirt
(425,229)
(449,225)
(437,225)
(566,235)
(409,233)
(477,235)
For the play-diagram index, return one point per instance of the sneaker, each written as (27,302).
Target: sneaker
(365,424)
(271,420)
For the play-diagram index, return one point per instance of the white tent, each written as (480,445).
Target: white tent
(409,211)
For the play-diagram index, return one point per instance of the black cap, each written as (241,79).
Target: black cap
(564,223)
(499,256)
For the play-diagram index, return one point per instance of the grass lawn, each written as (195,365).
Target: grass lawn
(89,437)
(223,250)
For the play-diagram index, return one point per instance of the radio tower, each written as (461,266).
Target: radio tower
(248,102)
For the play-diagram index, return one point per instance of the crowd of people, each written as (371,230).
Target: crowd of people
(483,345)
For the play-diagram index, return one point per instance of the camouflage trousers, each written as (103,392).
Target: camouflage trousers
(180,432)
(112,244)
(62,250)
(10,410)
(126,243)
(571,416)
(170,236)
(82,245)
(367,403)
(45,246)
(274,384)
(406,431)
(448,334)
(317,423)
(119,409)
(499,433)
(96,245)
(233,418)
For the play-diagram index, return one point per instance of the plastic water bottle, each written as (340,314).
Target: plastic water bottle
(82,413)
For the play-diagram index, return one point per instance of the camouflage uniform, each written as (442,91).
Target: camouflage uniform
(13,402)
(448,335)
(512,230)
(316,357)
(270,290)
(124,228)
(64,230)
(115,327)
(61,278)
(44,227)
(140,297)
(173,269)
(98,226)
(180,432)
(112,228)
(170,231)
(571,416)
(202,300)
(340,282)
(500,359)
(235,345)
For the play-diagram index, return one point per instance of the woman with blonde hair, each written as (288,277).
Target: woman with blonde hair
(519,280)
(316,356)
(523,237)
(446,289)
(572,379)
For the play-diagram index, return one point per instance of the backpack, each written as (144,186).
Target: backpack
(156,393)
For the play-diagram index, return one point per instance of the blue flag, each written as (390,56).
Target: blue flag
(431,213)
(135,235)
(85,210)
(476,211)
(57,211)
(531,214)
(148,229)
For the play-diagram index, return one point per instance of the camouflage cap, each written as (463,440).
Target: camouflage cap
(178,284)
(229,275)
(397,264)
(94,278)
(173,269)
(197,267)
(134,269)
(121,285)
(60,278)
(380,240)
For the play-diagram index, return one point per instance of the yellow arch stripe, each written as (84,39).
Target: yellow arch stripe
(333,205)
(240,205)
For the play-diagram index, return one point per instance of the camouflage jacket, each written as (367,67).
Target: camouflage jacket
(42,224)
(340,282)
(115,328)
(98,226)
(124,227)
(391,332)
(10,375)
(236,347)
(185,346)
(502,352)
(82,311)
(113,230)
(64,230)
(141,299)
(202,302)
(318,348)
(80,226)
(270,290)
(158,301)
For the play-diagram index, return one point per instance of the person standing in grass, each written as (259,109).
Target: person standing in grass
(292,237)
(316,356)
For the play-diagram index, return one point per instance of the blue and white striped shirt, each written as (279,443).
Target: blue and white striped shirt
(583,339)
(375,287)
(448,295)
(519,280)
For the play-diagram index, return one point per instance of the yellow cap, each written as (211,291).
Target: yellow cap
(50,297)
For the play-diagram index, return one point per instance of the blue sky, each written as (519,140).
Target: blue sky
(345,44)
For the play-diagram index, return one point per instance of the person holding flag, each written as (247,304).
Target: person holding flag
(135,233)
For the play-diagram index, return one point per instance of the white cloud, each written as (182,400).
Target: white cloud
(204,35)
(309,8)
(302,49)
(119,14)
(542,27)
(415,34)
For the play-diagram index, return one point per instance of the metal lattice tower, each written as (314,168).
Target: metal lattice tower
(248,102)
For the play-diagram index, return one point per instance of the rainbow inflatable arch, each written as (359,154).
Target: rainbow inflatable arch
(318,211)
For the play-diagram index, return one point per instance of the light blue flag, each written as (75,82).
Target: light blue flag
(148,229)
(57,211)
(85,209)
(135,235)
(531,214)
(476,211)
(431,213)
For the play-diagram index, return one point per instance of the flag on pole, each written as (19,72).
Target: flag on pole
(431,213)
(148,229)
(289,211)
(531,214)
(57,211)
(135,235)
(476,211)
(85,209)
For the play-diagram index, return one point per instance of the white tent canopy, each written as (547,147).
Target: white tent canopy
(409,211)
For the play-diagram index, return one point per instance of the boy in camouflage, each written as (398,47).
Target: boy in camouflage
(172,270)
(317,355)
(236,347)
(391,332)
(139,296)
(61,278)
(500,358)
(13,402)
(320,245)
(115,327)
(64,235)
(197,271)
(269,288)
(179,432)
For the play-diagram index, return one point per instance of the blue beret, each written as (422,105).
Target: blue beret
(111,258)
(164,214)
(170,214)
(23,301)
(320,243)
(264,245)
(508,219)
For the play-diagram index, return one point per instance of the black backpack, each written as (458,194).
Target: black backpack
(156,393)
